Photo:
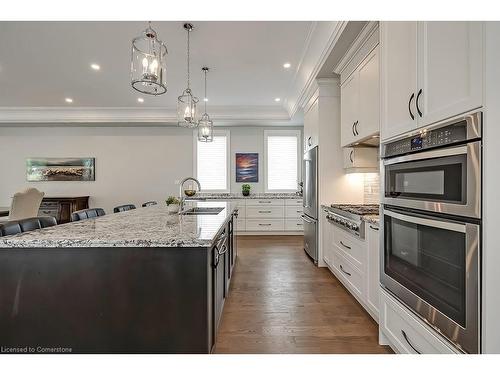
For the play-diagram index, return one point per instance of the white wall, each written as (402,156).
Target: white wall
(133,164)
(491,182)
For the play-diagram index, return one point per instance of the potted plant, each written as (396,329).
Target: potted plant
(172,204)
(245,190)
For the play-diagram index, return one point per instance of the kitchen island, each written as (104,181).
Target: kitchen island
(141,281)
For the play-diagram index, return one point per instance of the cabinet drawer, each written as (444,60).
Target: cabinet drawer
(259,225)
(265,202)
(351,247)
(43,211)
(293,212)
(349,274)
(294,224)
(265,212)
(49,205)
(294,202)
(397,322)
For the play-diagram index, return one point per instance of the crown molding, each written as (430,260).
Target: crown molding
(231,115)
(357,45)
(320,43)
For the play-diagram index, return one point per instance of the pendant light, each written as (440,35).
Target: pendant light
(148,65)
(205,125)
(187,115)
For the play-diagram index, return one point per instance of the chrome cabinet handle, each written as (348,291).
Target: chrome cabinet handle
(264,201)
(353,128)
(343,244)
(374,228)
(356,127)
(309,141)
(409,343)
(342,269)
(409,106)
(416,101)
(265,212)
(264,225)
(300,224)
(350,156)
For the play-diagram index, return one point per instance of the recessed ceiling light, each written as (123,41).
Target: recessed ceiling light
(95,66)
(140,100)
(287,65)
(277,99)
(68,100)
(205,99)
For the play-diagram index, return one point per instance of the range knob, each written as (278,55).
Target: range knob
(355,226)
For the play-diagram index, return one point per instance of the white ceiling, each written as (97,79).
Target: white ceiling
(42,63)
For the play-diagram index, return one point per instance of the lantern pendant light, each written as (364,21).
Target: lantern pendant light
(205,125)
(148,65)
(187,115)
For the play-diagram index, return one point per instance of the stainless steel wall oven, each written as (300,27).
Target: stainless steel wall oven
(431,226)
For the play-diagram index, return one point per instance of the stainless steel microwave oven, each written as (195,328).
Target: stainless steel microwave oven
(436,169)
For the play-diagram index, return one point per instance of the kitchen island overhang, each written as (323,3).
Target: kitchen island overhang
(119,299)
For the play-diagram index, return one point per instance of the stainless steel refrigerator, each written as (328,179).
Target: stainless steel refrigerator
(310,203)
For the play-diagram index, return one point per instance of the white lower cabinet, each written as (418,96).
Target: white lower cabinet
(373,262)
(406,332)
(294,225)
(265,212)
(264,225)
(349,274)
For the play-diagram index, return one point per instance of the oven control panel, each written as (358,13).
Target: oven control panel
(455,132)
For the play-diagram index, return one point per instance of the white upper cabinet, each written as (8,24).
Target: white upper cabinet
(360,101)
(349,103)
(430,71)
(449,69)
(398,76)
(311,126)
(369,96)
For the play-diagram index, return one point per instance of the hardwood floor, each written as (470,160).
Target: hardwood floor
(279,302)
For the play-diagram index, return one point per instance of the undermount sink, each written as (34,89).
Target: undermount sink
(202,211)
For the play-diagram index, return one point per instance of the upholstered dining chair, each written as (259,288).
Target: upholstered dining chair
(150,203)
(125,207)
(87,214)
(25,204)
(11,227)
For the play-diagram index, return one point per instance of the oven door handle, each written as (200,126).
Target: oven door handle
(452,151)
(447,225)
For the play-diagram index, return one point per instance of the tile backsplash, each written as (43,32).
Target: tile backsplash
(371,188)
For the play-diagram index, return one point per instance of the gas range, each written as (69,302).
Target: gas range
(349,216)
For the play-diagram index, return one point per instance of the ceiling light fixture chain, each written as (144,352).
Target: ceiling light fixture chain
(187,114)
(205,125)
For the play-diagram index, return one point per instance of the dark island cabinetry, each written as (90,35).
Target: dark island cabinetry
(116,299)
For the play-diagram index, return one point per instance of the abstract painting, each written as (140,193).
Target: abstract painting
(60,169)
(247,167)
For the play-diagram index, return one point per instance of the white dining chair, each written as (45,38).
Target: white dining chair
(25,204)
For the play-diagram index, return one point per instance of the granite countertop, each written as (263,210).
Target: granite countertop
(371,219)
(143,227)
(241,196)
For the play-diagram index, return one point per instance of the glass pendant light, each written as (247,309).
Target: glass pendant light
(205,125)
(187,115)
(149,62)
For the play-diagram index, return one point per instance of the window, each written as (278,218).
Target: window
(282,161)
(211,167)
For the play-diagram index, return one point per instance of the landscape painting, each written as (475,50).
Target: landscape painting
(60,169)
(247,167)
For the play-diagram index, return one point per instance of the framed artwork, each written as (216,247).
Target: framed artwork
(60,169)
(247,167)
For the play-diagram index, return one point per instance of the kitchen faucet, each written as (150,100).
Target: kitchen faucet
(181,191)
